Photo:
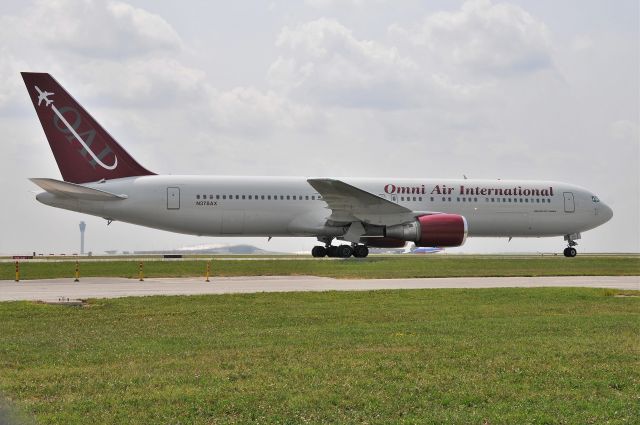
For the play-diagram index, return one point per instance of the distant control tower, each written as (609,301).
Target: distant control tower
(82,227)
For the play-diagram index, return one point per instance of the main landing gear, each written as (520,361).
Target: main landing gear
(570,251)
(340,251)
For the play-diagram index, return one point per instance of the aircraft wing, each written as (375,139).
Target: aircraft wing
(350,204)
(72,190)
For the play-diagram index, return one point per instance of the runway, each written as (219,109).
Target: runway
(56,289)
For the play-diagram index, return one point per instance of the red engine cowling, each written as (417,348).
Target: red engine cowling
(442,230)
(437,230)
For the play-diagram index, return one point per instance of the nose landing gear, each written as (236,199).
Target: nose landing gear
(570,251)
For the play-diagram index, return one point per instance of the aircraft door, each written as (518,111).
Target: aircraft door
(173,198)
(569,204)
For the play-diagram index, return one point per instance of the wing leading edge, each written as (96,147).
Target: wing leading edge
(350,204)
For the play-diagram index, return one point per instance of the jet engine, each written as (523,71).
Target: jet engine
(385,243)
(437,230)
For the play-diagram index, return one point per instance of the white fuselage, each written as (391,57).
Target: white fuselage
(289,206)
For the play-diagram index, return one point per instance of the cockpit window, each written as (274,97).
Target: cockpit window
(595,199)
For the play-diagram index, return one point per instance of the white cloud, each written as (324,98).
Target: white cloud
(251,111)
(10,85)
(481,37)
(156,81)
(324,4)
(98,28)
(625,130)
(324,62)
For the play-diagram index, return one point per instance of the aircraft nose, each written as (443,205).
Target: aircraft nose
(606,212)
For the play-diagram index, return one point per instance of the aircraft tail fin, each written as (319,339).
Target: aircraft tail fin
(84,151)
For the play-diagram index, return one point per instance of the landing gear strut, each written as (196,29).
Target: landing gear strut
(570,251)
(340,251)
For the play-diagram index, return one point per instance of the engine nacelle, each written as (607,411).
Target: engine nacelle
(437,230)
(385,243)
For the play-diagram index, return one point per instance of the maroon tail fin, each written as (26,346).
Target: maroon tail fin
(84,151)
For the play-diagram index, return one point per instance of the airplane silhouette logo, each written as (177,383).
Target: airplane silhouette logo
(44,95)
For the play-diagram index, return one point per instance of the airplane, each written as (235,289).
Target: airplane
(361,212)
(44,95)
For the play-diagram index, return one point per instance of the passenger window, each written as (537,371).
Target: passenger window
(306,198)
(224,196)
(197,196)
(243,197)
(449,199)
(420,199)
(432,199)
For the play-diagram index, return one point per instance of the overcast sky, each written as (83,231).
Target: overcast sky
(490,89)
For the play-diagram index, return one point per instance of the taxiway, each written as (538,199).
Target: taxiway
(57,289)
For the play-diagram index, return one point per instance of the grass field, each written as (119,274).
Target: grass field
(374,267)
(484,356)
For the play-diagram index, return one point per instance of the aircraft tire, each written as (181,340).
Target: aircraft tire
(344,251)
(360,251)
(332,251)
(570,252)
(318,251)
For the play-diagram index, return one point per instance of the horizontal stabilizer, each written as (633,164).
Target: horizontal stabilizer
(72,190)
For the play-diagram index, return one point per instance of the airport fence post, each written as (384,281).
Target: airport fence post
(208,271)
(77,279)
(140,272)
(17,271)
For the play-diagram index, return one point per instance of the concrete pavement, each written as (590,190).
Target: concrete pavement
(106,287)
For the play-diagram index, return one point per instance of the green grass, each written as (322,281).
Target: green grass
(496,356)
(374,267)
